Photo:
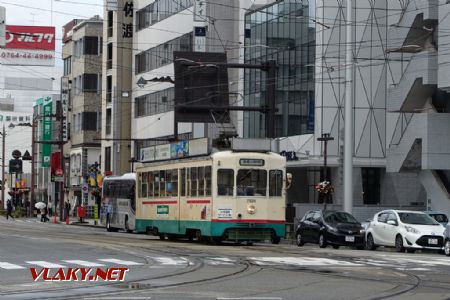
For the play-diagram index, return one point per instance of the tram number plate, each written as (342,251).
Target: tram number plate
(349,238)
(433,241)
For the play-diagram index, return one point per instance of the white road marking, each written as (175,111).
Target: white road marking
(120,262)
(250,298)
(84,263)
(215,261)
(8,266)
(45,264)
(171,261)
(301,261)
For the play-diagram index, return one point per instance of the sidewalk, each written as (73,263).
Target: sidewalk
(72,221)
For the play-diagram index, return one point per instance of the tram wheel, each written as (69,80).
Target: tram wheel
(276,240)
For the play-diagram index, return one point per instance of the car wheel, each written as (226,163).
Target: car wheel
(322,242)
(299,239)
(447,248)
(399,244)
(335,247)
(370,244)
(127,227)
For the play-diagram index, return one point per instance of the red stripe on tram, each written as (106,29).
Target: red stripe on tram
(159,202)
(248,221)
(198,201)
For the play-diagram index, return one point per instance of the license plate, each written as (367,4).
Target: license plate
(349,238)
(433,241)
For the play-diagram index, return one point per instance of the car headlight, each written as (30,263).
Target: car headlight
(362,231)
(332,229)
(412,229)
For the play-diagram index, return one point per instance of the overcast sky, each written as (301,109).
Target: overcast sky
(39,13)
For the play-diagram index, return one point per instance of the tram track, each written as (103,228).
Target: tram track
(142,247)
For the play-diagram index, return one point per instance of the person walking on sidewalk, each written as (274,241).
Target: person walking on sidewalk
(67,208)
(9,209)
(44,215)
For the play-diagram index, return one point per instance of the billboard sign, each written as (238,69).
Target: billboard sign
(30,37)
(201,87)
(175,150)
(29,46)
(47,106)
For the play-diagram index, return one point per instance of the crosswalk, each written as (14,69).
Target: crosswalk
(270,261)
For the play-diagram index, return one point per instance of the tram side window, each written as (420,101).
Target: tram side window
(162,184)
(156,183)
(183,182)
(201,181)
(225,182)
(208,181)
(150,180)
(251,182)
(172,182)
(275,182)
(194,182)
(144,184)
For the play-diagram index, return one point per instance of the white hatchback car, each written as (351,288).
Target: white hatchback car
(402,229)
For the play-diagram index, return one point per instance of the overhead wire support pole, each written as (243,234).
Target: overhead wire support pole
(348,124)
(3,164)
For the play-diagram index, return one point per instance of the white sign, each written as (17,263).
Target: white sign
(224,213)
(162,152)
(200,10)
(27,57)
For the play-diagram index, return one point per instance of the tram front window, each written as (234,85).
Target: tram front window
(225,182)
(251,182)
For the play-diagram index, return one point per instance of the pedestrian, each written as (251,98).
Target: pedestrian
(44,215)
(9,209)
(67,208)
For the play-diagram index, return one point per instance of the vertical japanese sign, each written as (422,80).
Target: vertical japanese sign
(46,131)
(200,26)
(127,26)
(64,105)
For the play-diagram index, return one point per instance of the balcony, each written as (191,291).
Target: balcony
(421,146)
(416,22)
(416,85)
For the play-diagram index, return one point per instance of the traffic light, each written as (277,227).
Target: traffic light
(15,166)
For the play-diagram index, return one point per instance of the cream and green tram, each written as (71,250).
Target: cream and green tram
(237,196)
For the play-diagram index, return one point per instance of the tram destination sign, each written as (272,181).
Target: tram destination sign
(251,162)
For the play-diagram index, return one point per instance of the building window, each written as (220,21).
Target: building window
(371,182)
(158,11)
(110,23)
(270,35)
(107,159)
(109,56)
(154,103)
(108,121)
(91,83)
(89,120)
(162,55)
(67,65)
(91,45)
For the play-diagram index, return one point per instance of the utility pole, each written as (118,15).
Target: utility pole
(33,124)
(325,138)
(348,141)
(3,164)
(60,115)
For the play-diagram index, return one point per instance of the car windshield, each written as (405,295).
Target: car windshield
(339,217)
(417,218)
(441,218)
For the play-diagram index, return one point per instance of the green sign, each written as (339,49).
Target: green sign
(95,211)
(162,209)
(46,131)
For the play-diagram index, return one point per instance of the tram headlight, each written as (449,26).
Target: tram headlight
(251,209)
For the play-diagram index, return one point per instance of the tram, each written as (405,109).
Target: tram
(227,195)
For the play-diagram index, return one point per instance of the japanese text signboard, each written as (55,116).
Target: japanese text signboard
(46,131)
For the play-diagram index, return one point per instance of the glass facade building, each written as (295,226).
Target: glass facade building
(283,31)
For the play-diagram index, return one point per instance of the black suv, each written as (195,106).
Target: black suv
(335,228)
